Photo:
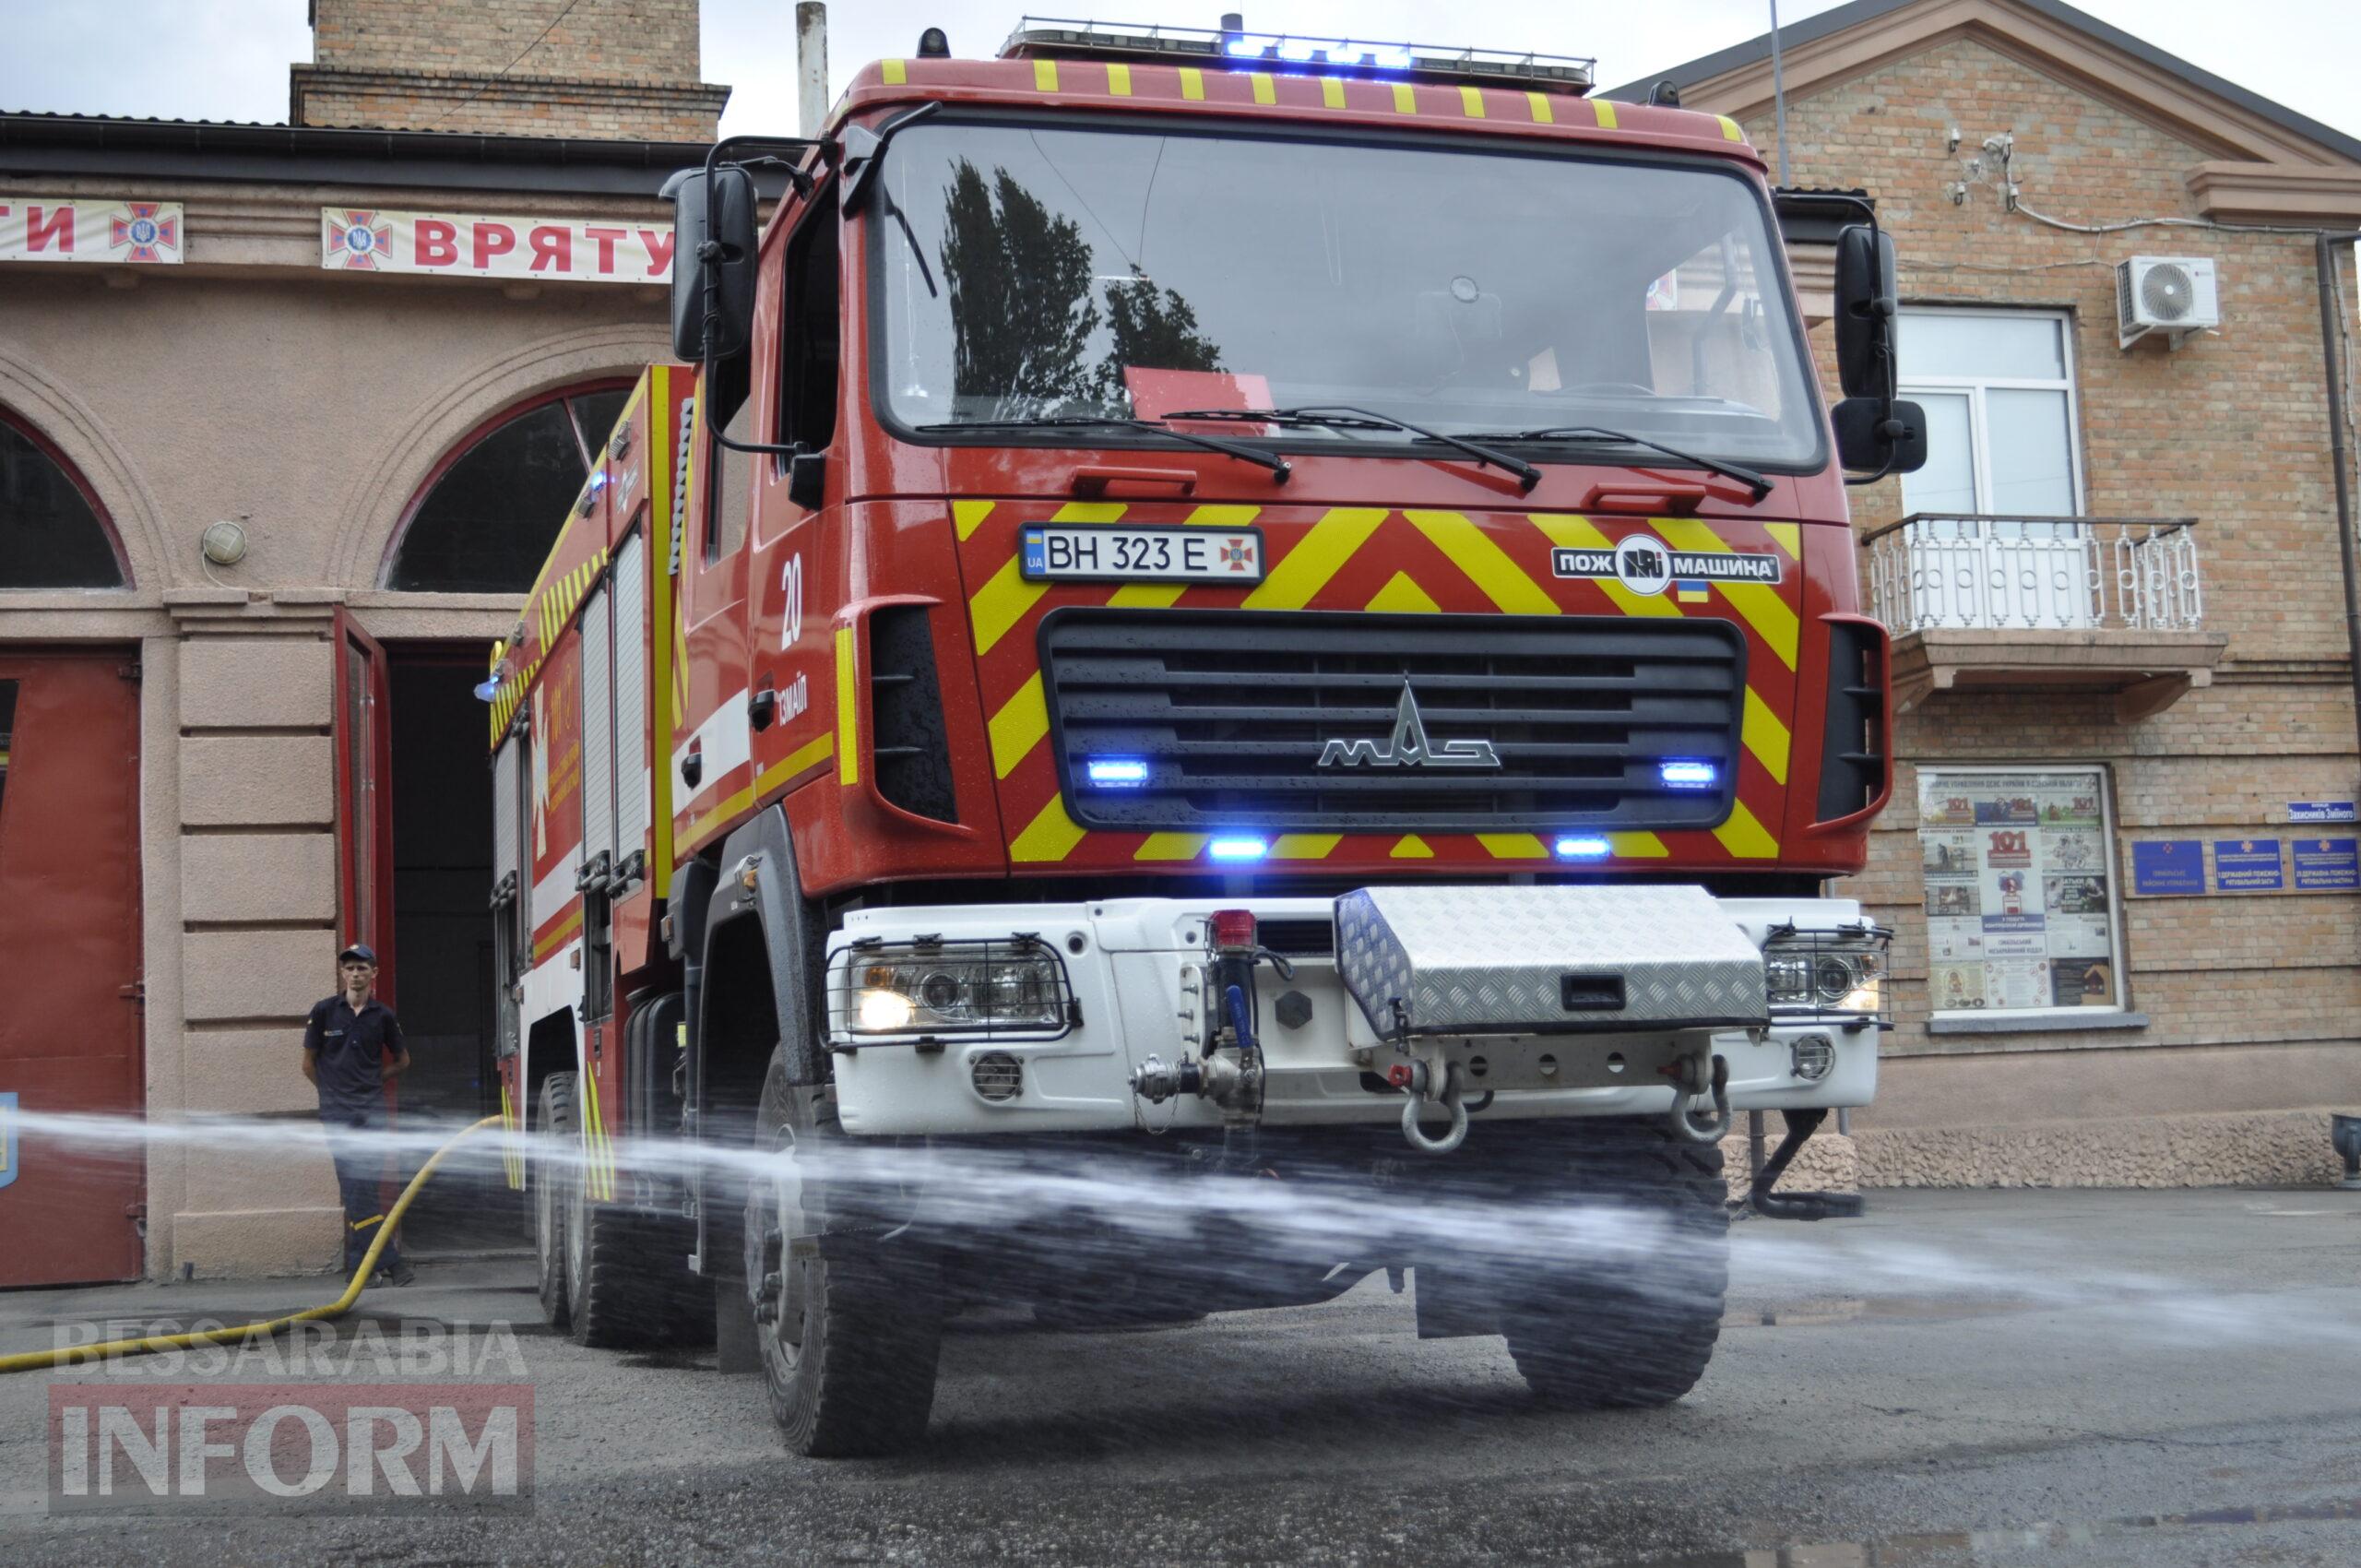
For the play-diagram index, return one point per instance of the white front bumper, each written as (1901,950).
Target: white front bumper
(1133,965)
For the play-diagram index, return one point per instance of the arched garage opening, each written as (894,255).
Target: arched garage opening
(53,534)
(486,517)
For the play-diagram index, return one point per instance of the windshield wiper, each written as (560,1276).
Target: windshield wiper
(1279,465)
(1340,416)
(1745,476)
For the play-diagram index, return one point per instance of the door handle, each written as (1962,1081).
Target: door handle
(762,708)
(691,769)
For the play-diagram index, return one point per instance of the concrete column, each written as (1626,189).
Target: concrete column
(255,848)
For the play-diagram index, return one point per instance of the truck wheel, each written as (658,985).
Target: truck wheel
(627,1282)
(1631,1333)
(552,1169)
(848,1332)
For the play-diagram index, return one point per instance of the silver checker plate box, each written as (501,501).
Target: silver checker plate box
(1495,960)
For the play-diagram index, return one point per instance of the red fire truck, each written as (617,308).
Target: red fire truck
(1212,615)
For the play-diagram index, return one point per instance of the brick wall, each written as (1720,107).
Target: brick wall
(611,69)
(617,40)
(2231,429)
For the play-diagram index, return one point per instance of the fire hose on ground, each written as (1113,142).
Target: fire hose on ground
(33,1360)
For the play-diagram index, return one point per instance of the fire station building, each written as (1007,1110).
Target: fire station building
(289,416)
(289,413)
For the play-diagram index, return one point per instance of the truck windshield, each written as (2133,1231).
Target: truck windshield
(1030,272)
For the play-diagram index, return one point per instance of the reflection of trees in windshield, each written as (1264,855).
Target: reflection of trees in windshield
(1154,329)
(1023,311)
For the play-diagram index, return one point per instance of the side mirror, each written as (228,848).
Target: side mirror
(1873,435)
(1865,294)
(807,479)
(713,241)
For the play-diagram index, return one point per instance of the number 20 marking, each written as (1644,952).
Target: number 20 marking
(790,583)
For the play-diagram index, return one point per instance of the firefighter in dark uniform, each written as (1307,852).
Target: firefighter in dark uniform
(351,1047)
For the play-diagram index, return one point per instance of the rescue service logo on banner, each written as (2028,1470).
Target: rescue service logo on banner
(99,229)
(461,244)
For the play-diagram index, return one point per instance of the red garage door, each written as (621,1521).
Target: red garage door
(69,965)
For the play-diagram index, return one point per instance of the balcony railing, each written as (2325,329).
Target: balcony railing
(1933,572)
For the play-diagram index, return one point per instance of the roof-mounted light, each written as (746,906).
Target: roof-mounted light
(1060,38)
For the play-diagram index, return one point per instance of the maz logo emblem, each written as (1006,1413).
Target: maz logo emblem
(1408,747)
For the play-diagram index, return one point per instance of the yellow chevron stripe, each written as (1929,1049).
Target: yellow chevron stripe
(1050,836)
(1542,114)
(1018,727)
(1146,596)
(1001,603)
(1119,79)
(848,711)
(1192,83)
(1090,512)
(1604,111)
(1731,131)
(1402,596)
(1637,847)
(1514,846)
(1471,103)
(1765,736)
(1332,92)
(969,515)
(1045,75)
(1405,101)
(894,72)
(1410,846)
(1745,837)
(1787,537)
(1764,609)
(1305,846)
(1171,847)
(1485,564)
(1317,557)
(1222,517)
(1574,532)
(1264,91)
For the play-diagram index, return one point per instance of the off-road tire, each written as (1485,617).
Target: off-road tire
(551,1171)
(848,1358)
(628,1281)
(1636,1334)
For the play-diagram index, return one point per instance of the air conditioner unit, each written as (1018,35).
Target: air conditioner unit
(2171,294)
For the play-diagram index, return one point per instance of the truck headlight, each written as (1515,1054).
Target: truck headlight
(996,988)
(1838,972)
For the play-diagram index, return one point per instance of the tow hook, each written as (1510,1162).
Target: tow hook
(1419,1079)
(1691,1077)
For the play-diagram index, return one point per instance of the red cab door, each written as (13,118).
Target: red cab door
(70,988)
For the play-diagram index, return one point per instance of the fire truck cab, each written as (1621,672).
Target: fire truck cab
(1210,613)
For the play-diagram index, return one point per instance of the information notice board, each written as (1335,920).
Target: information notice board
(2020,906)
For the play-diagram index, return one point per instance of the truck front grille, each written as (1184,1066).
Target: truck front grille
(1231,712)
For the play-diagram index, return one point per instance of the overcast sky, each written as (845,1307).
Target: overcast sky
(227,59)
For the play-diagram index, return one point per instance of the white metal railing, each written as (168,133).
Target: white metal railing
(1933,571)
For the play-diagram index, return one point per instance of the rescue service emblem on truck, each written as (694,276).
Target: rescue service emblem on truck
(1408,747)
(1646,565)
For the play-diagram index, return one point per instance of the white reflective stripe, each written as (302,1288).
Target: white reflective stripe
(728,742)
(549,895)
(554,986)
(632,794)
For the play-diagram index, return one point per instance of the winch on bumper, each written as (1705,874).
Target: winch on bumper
(1486,1003)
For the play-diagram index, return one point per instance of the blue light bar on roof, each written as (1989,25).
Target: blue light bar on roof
(1056,38)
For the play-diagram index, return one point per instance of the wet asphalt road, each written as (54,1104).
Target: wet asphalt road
(1958,1378)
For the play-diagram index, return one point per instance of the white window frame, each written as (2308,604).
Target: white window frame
(2038,1017)
(1980,436)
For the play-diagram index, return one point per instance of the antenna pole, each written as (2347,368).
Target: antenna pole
(1779,92)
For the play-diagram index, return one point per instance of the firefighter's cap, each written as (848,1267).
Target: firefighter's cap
(361,951)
